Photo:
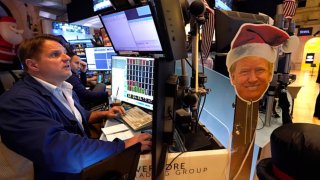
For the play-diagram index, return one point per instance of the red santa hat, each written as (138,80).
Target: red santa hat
(259,40)
(7,19)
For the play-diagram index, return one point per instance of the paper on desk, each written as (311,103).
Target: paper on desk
(114,129)
(122,135)
(120,131)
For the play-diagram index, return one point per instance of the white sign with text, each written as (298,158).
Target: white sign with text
(203,165)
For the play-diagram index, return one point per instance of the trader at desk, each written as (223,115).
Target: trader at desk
(88,98)
(42,120)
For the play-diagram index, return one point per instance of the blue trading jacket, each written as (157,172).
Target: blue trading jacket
(36,125)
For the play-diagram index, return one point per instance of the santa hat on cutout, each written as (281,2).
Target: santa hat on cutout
(7,19)
(259,40)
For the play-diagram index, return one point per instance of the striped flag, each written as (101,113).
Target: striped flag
(207,33)
(289,8)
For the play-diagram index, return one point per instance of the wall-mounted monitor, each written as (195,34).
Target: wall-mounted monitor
(62,26)
(70,31)
(305,31)
(99,5)
(99,58)
(132,80)
(132,29)
(309,58)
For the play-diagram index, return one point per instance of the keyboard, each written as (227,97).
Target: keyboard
(137,119)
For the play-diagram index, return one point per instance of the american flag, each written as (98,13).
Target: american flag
(207,32)
(289,8)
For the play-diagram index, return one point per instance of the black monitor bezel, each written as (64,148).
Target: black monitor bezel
(153,15)
(87,58)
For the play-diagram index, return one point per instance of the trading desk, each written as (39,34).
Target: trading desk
(207,164)
(218,117)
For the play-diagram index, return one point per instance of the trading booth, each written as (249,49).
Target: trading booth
(199,126)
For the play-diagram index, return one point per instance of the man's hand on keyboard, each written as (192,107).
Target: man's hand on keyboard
(143,138)
(96,116)
(115,111)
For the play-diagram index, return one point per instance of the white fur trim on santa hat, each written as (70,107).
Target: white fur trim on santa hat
(291,44)
(253,49)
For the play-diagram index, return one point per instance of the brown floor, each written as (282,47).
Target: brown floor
(304,103)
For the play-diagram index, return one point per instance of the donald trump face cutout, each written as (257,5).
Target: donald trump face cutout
(251,58)
(251,76)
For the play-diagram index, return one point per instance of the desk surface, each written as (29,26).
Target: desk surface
(209,164)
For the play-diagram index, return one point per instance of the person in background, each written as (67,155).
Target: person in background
(88,98)
(42,120)
(317,105)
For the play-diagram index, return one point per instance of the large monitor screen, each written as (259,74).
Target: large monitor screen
(99,58)
(132,30)
(101,5)
(70,31)
(132,80)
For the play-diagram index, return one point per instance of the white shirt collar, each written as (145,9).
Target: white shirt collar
(51,87)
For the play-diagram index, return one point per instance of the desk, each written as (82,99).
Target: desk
(204,165)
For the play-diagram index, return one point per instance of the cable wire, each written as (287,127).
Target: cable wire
(176,157)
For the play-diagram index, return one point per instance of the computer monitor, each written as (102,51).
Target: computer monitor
(227,24)
(132,80)
(99,58)
(78,47)
(132,29)
(120,166)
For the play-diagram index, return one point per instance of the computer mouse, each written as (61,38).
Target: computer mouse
(118,117)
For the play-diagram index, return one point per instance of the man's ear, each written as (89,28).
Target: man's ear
(32,64)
